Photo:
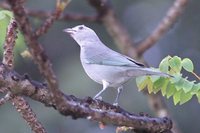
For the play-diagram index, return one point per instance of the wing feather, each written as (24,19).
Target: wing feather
(114,59)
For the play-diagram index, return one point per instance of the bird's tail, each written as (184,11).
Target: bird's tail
(151,71)
(147,71)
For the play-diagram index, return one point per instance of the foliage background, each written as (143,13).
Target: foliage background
(140,17)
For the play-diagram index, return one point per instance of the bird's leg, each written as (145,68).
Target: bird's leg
(97,96)
(119,90)
(105,86)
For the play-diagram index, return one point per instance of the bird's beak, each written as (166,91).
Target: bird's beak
(70,31)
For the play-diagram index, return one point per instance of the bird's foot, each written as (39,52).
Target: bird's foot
(115,104)
(98,98)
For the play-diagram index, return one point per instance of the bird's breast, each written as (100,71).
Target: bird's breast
(114,75)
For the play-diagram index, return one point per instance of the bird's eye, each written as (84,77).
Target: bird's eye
(80,28)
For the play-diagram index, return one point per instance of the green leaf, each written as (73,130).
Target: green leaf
(187,85)
(195,88)
(154,78)
(164,87)
(180,84)
(170,90)
(175,64)
(198,96)
(150,86)
(176,78)
(177,97)
(156,89)
(177,86)
(188,65)
(5,13)
(141,82)
(164,64)
(184,97)
(158,84)
(2,15)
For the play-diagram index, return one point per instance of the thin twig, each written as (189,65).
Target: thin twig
(11,35)
(196,75)
(60,6)
(79,17)
(27,113)
(170,18)
(19,102)
(88,108)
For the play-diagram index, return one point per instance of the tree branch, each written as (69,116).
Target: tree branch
(170,18)
(11,35)
(159,106)
(37,51)
(77,108)
(18,102)
(27,113)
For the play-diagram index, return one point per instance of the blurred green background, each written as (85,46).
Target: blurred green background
(139,17)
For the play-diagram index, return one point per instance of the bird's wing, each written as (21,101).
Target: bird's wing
(112,58)
(132,60)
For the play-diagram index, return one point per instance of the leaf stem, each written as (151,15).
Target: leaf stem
(196,75)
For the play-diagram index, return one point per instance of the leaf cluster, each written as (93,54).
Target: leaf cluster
(176,86)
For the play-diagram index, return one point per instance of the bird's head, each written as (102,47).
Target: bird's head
(82,34)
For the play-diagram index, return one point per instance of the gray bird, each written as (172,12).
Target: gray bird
(105,66)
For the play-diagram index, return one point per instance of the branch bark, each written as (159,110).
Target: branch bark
(160,108)
(18,102)
(11,35)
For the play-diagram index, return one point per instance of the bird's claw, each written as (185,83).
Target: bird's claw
(115,104)
(98,98)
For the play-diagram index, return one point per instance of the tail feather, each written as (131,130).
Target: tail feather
(150,71)
(146,71)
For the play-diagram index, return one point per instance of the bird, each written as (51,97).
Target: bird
(104,65)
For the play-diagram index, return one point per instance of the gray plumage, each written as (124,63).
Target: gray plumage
(104,65)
